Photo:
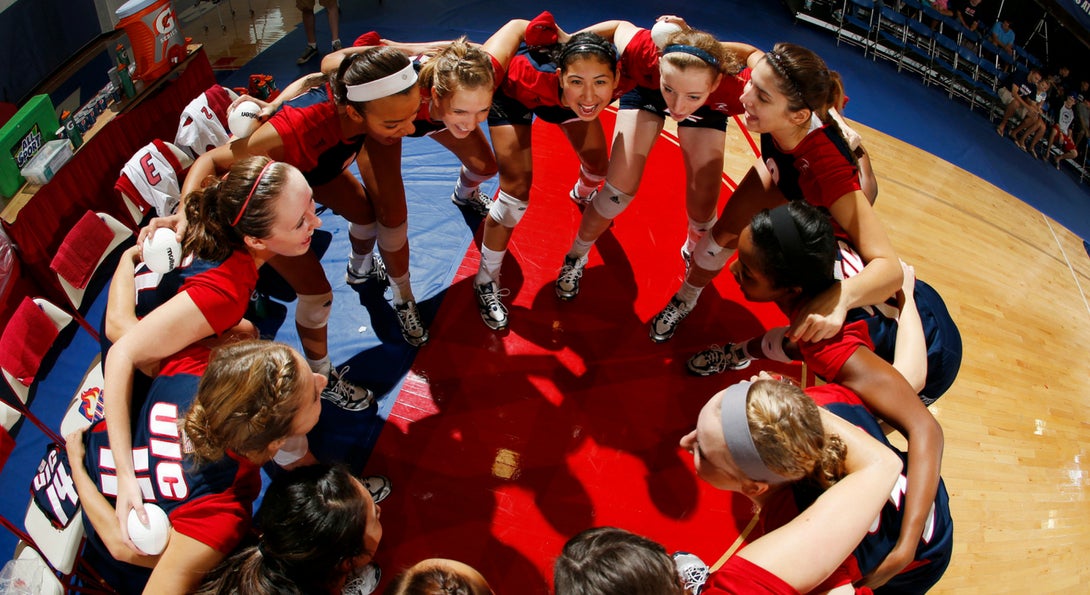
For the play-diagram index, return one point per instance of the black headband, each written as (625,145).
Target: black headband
(774,59)
(692,51)
(787,234)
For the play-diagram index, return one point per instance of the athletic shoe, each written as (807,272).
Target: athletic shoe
(345,394)
(478,203)
(378,486)
(665,323)
(307,56)
(412,325)
(692,571)
(716,359)
(582,200)
(493,312)
(567,283)
(377,272)
(365,582)
(337,45)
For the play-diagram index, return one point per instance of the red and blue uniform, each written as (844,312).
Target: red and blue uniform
(937,541)
(211,503)
(424,124)
(314,142)
(531,87)
(826,358)
(821,170)
(641,83)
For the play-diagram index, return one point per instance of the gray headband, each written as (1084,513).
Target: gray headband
(739,440)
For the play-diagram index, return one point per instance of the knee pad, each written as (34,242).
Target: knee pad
(294,448)
(610,202)
(473,177)
(709,255)
(392,239)
(508,210)
(312,311)
(363,231)
(772,345)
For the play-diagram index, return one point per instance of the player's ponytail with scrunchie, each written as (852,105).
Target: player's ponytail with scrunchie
(225,210)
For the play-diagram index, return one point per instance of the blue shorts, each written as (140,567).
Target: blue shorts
(650,100)
(941,334)
(510,112)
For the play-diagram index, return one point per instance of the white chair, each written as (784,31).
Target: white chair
(90,390)
(19,388)
(76,294)
(31,561)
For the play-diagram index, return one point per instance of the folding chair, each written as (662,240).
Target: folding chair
(24,343)
(86,246)
(892,34)
(856,23)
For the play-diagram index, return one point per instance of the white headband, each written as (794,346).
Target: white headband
(383,87)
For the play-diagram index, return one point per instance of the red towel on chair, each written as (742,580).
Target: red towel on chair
(27,338)
(78,255)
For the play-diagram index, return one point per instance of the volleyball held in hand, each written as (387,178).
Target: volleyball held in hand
(244,119)
(161,251)
(151,539)
(662,30)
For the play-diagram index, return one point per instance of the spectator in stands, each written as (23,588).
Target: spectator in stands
(1033,126)
(1062,85)
(1082,112)
(1003,36)
(1061,129)
(1019,95)
(969,14)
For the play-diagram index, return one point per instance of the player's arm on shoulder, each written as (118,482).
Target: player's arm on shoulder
(182,565)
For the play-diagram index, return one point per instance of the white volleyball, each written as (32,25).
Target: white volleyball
(661,30)
(161,251)
(243,120)
(151,539)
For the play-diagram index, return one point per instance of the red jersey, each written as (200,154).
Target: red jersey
(314,142)
(820,170)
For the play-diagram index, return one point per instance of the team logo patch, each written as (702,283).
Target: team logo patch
(91,405)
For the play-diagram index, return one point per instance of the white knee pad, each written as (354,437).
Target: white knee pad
(709,255)
(610,202)
(312,311)
(772,345)
(392,239)
(363,231)
(508,210)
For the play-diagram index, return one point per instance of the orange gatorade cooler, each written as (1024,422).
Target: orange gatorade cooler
(157,42)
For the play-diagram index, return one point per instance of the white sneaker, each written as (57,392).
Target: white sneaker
(345,394)
(378,486)
(582,200)
(478,202)
(412,325)
(692,571)
(365,582)
(493,312)
(716,359)
(567,283)
(665,323)
(377,272)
